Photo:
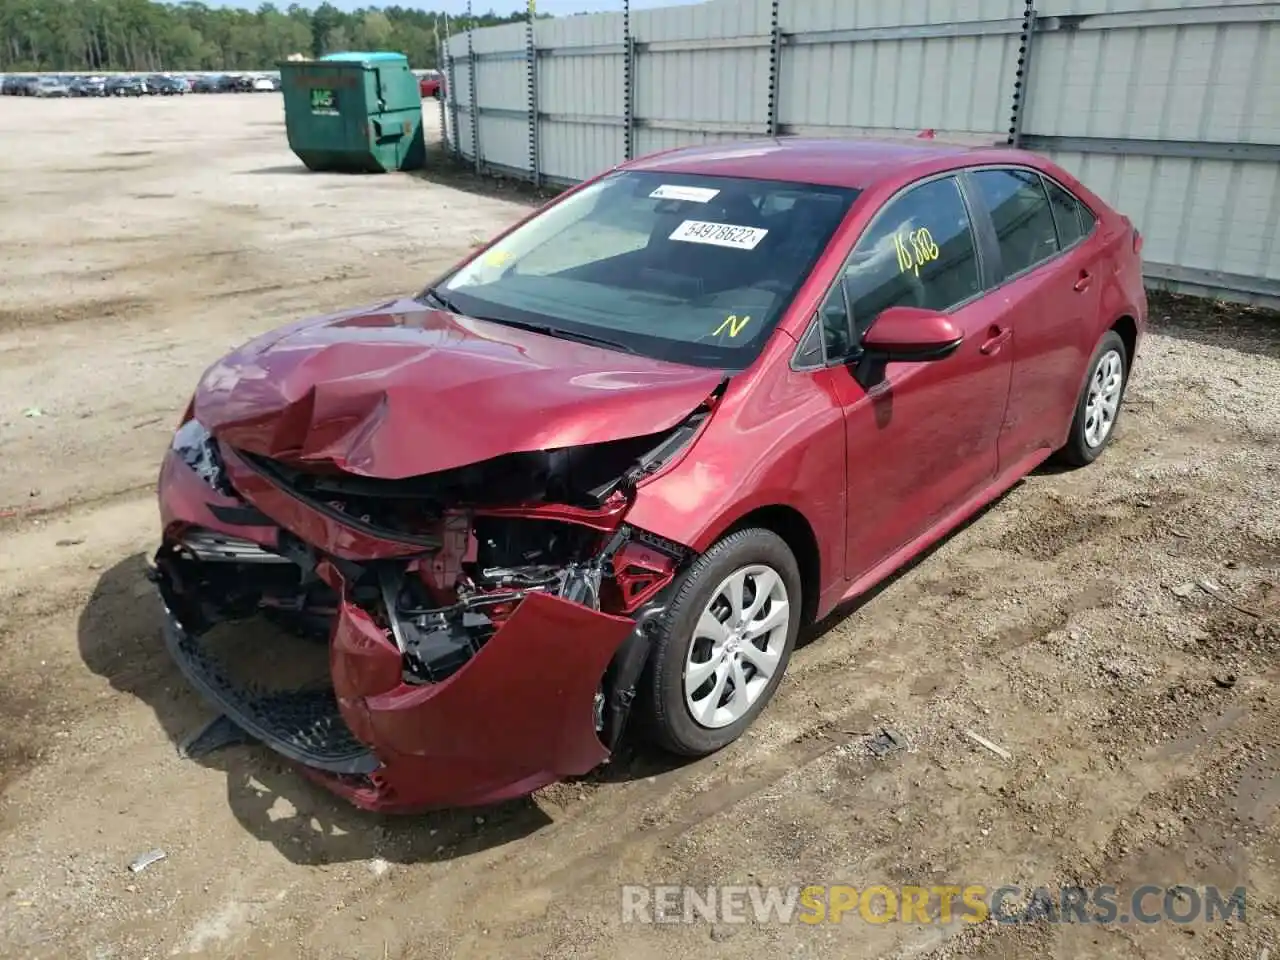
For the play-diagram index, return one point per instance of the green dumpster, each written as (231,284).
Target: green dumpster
(353,112)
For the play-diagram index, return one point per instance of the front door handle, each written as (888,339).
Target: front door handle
(1082,284)
(997,337)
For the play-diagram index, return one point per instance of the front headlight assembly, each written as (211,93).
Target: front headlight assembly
(198,450)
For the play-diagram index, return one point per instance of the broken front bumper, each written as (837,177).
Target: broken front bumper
(521,713)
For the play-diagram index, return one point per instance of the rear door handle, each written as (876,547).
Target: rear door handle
(997,337)
(1082,284)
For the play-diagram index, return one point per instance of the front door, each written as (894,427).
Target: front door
(923,439)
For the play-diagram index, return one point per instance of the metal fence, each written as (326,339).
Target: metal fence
(1169,109)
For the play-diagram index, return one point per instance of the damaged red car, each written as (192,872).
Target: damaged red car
(598,476)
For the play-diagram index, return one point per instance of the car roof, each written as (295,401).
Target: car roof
(859,163)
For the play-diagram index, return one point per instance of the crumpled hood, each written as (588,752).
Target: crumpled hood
(402,390)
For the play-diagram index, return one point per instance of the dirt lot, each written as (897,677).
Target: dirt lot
(139,240)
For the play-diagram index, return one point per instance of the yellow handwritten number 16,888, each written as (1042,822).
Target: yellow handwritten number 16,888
(915,249)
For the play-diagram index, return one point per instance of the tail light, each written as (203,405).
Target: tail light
(1137,240)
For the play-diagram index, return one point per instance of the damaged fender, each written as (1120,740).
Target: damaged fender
(521,712)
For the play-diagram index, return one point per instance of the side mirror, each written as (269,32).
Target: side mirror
(911,335)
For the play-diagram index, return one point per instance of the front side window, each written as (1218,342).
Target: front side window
(918,252)
(690,268)
(1021,215)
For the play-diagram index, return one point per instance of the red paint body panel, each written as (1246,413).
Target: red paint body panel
(840,163)
(1054,332)
(513,719)
(910,328)
(877,472)
(607,517)
(920,442)
(185,500)
(775,439)
(363,392)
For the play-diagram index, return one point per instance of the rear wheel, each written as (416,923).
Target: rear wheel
(724,643)
(1098,407)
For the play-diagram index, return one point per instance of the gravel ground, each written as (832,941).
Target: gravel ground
(1114,630)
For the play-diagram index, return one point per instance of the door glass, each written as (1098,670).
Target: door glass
(1066,215)
(809,353)
(1023,220)
(918,252)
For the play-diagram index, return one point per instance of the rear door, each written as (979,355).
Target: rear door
(1048,297)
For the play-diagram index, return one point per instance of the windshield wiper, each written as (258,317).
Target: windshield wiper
(543,328)
(441,299)
(550,331)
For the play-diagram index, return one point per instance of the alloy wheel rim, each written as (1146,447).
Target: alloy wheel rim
(1103,400)
(736,646)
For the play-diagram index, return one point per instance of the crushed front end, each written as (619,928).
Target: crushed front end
(447,640)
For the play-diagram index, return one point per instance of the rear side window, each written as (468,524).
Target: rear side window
(1071,217)
(1022,217)
(1087,219)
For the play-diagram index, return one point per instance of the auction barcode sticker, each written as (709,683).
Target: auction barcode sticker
(719,234)
(675,191)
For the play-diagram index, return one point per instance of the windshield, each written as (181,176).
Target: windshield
(692,269)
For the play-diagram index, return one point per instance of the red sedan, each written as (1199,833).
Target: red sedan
(607,467)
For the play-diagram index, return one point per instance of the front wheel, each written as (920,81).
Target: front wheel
(1098,407)
(724,643)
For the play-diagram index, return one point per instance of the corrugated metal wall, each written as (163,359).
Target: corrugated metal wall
(580,94)
(1170,109)
(850,68)
(1159,109)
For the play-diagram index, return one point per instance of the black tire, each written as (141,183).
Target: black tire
(670,722)
(1078,452)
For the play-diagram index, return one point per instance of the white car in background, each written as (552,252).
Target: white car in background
(263,85)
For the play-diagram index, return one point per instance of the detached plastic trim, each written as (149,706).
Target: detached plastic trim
(304,726)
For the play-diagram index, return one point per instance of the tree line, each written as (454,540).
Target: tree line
(142,36)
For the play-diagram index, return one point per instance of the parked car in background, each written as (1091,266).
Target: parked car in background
(164,85)
(18,85)
(88,87)
(431,84)
(51,87)
(126,87)
(156,84)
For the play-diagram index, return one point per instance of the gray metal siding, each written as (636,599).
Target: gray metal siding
(1168,109)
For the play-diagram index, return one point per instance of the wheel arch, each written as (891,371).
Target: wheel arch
(1127,327)
(797,533)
